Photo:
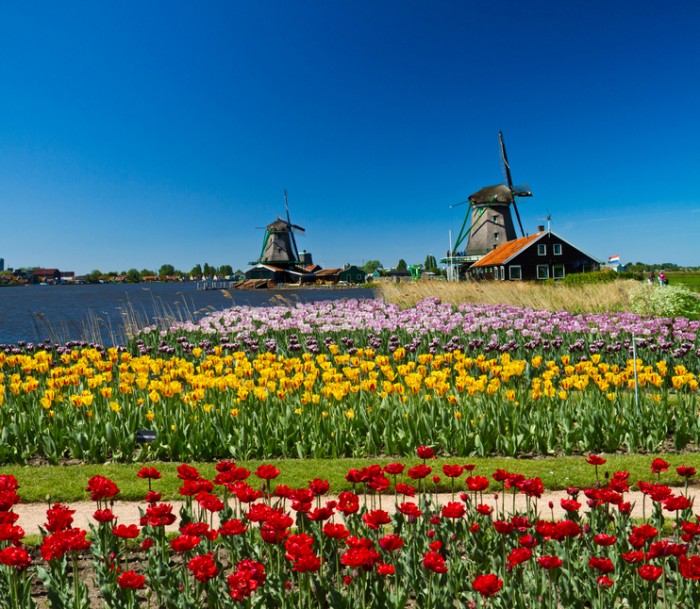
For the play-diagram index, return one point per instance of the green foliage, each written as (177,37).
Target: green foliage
(371,265)
(94,276)
(165,270)
(664,301)
(600,277)
(226,270)
(133,276)
(402,266)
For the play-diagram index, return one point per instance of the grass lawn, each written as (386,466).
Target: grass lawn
(67,483)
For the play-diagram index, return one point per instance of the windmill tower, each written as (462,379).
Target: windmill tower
(279,246)
(488,222)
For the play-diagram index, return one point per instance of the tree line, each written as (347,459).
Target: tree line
(430,265)
(166,271)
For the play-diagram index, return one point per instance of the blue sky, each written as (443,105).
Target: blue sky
(138,134)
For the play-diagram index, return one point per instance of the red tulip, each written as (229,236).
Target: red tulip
(487,585)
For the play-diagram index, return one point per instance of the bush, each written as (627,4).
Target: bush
(600,277)
(664,301)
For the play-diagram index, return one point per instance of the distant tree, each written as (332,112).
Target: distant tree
(166,270)
(371,265)
(430,264)
(196,270)
(94,276)
(226,270)
(402,266)
(208,271)
(147,273)
(133,276)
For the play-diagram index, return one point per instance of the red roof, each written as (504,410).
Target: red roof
(326,272)
(506,251)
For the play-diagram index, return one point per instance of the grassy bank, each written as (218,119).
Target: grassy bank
(590,298)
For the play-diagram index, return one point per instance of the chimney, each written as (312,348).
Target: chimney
(540,228)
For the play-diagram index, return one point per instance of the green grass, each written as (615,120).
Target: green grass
(67,483)
(690,280)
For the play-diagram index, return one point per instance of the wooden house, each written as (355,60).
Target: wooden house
(543,255)
(352,274)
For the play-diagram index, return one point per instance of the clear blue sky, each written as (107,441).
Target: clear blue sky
(134,134)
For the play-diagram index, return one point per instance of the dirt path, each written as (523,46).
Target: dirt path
(33,515)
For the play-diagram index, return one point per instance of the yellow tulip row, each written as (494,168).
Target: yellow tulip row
(80,375)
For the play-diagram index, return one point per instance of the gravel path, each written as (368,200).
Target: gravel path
(33,515)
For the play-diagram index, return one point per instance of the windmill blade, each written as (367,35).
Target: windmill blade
(286,205)
(522,190)
(504,158)
(460,203)
(297,228)
(517,215)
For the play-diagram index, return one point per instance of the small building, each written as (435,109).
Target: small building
(352,274)
(544,255)
(328,275)
(266,271)
(46,276)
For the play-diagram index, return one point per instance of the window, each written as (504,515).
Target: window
(541,249)
(503,273)
(542,271)
(558,271)
(556,249)
(515,272)
(495,236)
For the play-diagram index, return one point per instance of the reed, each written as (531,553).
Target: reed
(588,298)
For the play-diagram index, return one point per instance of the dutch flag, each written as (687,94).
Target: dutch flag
(614,259)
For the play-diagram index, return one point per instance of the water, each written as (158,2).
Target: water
(100,313)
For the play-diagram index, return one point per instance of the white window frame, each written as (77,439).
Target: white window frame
(503,273)
(519,272)
(556,249)
(540,274)
(555,273)
(541,249)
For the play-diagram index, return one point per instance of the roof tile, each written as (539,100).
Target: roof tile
(505,251)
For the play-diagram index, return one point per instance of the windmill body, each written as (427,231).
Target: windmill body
(279,245)
(488,222)
(491,220)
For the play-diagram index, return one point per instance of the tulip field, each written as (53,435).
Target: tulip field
(357,378)
(244,541)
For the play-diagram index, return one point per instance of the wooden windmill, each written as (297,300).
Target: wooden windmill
(279,246)
(488,222)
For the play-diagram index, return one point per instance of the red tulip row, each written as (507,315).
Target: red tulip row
(243,544)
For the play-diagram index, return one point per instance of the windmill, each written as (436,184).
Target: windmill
(279,246)
(488,222)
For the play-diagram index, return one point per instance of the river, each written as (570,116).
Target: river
(102,312)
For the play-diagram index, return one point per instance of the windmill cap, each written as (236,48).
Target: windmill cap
(492,194)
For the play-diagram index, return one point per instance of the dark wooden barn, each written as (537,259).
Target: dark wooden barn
(544,255)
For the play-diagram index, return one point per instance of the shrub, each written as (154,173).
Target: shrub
(664,301)
(599,277)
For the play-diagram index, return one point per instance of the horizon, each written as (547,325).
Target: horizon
(166,133)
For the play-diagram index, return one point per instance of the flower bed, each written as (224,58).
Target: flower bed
(358,378)
(242,541)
